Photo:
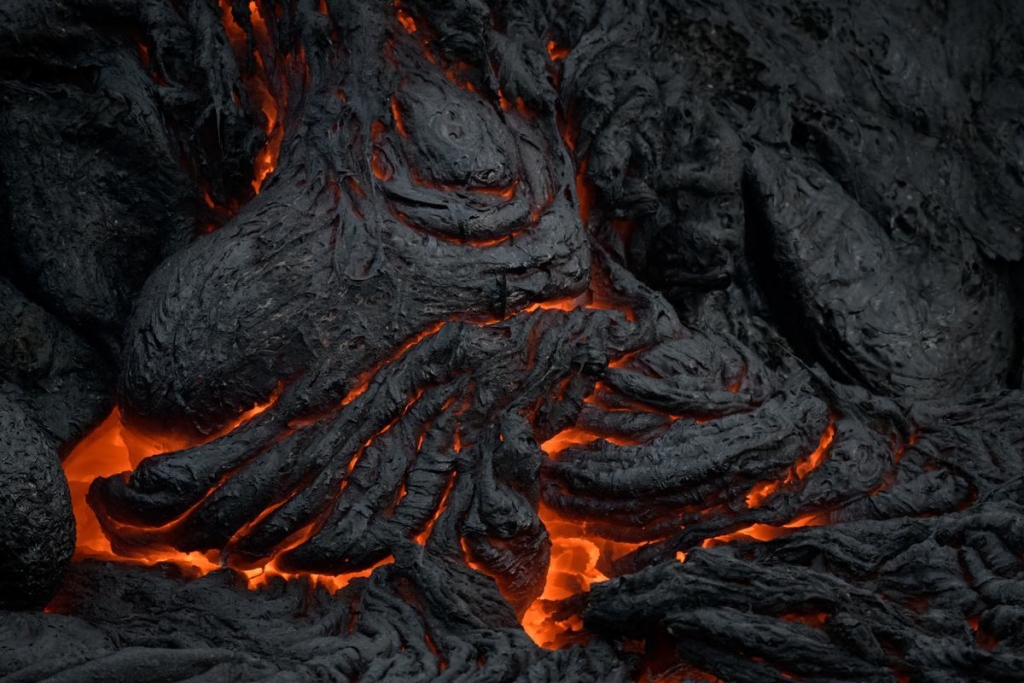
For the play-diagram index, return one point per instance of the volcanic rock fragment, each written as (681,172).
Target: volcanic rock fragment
(412,348)
(37,527)
(870,601)
(414,621)
(56,377)
(903,318)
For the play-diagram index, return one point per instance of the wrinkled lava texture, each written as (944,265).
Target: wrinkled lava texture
(718,298)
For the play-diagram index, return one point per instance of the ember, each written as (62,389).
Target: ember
(634,340)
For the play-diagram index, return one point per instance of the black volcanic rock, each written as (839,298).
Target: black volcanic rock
(37,527)
(628,282)
(95,182)
(56,377)
(414,621)
(893,316)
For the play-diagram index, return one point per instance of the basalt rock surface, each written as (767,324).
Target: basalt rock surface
(57,378)
(37,534)
(691,327)
(415,620)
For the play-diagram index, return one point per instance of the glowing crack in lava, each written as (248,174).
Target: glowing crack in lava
(602,396)
(267,88)
(113,448)
(590,351)
(579,556)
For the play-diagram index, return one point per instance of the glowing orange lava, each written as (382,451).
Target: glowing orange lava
(576,552)
(399,125)
(761,491)
(575,436)
(556,53)
(767,532)
(261,87)
(113,448)
(380,170)
(579,556)
(407,22)
(266,160)
(575,558)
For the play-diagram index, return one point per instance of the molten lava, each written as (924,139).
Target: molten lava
(576,560)
(407,22)
(579,556)
(113,448)
(269,90)
(556,53)
(763,490)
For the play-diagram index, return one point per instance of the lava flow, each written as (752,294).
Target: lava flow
(267,88)
(113,448)
(579,555)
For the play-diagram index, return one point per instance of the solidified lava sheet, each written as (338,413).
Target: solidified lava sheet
(511,340)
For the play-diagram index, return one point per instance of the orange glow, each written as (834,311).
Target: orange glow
(627,406)
(983,639)
(767,532)
(505,193)
(591,299)
(575,555)
(559,304)
(259,27)
(522,108)
(236,34)
(407,22)
(147,64)
(763,490)
(266,160)
(756,532)
(486,243)
(504,103)
(574,436)
(399,126)
(809,519)
(606,303)
(113,448)
(737,383)
(354,185)
(268,105)
(422,537)
(556,53)
(453,76)
(569,133)
(260,86)
(427,52)
(380,171)
(101,453)
(815,620)
(363,380)
(579,556)
(260,576)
